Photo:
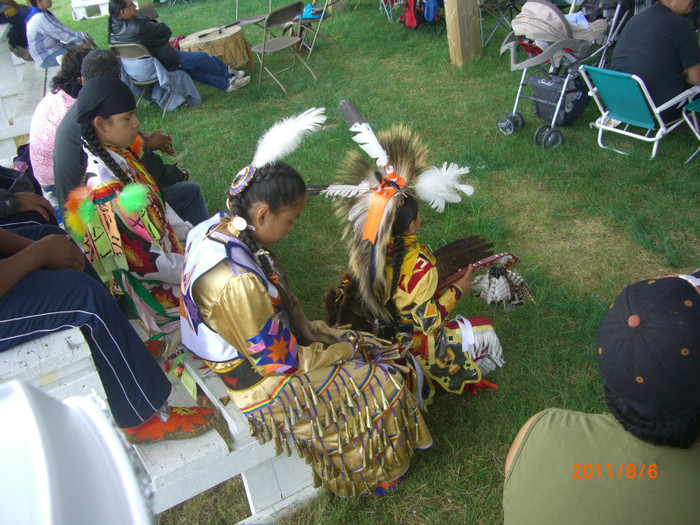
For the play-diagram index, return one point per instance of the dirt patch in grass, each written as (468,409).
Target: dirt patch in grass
(579,251)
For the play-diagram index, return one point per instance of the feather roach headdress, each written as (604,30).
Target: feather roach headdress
(373,193)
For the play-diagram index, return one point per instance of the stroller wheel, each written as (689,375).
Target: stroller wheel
(539,133)
(507,125)
(518,120)
(552,139)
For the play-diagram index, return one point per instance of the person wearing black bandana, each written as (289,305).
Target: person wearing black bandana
(130,235)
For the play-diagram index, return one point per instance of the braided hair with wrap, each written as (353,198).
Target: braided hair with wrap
(269,181)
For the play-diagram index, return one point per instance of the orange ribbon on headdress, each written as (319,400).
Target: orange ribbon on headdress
(390,186)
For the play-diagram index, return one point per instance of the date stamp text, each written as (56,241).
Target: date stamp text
(622,471)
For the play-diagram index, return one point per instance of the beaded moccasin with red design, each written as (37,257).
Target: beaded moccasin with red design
(384,487)
(156,347)
(183,423)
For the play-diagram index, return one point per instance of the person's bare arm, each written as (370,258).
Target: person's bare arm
(516,443)
(56,252)
(32,202)
(158,141)
(692,75)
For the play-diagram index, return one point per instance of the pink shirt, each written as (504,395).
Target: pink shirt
(42,133)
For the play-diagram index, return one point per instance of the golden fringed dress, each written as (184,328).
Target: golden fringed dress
(355,422)
(452,353)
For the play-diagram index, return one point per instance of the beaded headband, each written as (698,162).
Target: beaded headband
(241,180)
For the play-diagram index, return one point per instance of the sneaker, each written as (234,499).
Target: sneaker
(183,422)
(237,83)
(21,52)
(235,72)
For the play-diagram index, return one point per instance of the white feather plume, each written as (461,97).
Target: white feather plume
(345,190)
(286,135)
(367,140)
(438,186)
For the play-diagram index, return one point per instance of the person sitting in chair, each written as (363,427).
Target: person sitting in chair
(660,46)
(48,37)
(126,26)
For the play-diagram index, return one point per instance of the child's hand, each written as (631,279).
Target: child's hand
(465,282)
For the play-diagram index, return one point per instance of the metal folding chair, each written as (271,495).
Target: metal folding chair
(314,14)
(274,44)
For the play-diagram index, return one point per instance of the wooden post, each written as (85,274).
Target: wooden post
(463,30)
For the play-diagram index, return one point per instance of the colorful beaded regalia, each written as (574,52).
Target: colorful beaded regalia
(415,309)
(342,406)
(128,238)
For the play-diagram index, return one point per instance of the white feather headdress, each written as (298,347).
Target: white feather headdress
(279,141)
(286,135)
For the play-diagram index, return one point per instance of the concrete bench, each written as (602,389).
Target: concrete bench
(22,86)
(61,365)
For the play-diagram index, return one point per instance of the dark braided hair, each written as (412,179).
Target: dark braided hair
(277,185)
(115,7)
(67,77)
(95,147)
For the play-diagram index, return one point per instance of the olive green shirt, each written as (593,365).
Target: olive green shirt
(576,468)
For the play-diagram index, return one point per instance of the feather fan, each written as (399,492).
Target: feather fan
(286,135)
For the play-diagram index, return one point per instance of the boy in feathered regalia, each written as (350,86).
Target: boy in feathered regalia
(397,278)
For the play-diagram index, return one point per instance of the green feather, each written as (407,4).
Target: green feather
(86,211)
(133,198)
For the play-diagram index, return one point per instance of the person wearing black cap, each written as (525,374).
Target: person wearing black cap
(131,236)
(640,464)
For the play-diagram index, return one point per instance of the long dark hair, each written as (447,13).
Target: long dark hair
(95,147)
(279,186)
(115,7)
(67,77)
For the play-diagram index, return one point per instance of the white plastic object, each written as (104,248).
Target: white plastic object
(64,463)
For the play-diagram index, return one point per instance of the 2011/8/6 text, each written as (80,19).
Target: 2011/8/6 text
(629,471)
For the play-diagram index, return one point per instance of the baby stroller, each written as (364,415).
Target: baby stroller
(557,49)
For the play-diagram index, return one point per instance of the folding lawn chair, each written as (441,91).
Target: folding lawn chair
(389,7)
(314,13)
(501,12)
(274,44)
(168,89)
(623,98)
(690,112)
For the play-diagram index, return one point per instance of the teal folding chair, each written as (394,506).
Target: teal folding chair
(690,112)
(627,108)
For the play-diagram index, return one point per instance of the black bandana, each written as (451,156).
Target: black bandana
(103,97)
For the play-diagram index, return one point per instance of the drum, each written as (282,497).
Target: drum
(227,43)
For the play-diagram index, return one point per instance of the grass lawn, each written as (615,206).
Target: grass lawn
(584,221)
